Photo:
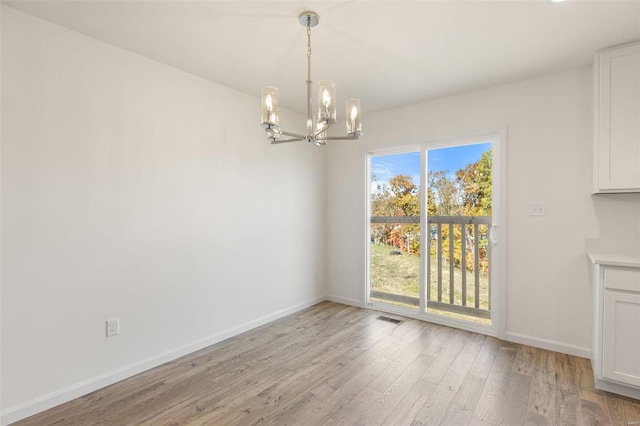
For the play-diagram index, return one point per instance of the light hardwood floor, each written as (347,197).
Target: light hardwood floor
(335,364)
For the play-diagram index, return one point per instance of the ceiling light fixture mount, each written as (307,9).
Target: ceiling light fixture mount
(317,125)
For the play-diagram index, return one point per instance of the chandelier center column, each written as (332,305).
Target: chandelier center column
(309,81)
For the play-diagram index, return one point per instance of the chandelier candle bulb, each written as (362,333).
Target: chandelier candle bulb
(270,107)
(354,124)
(326,97)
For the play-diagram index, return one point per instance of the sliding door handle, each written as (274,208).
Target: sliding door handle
(493,234)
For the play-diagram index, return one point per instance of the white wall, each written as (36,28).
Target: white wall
(131,189)
(549,147)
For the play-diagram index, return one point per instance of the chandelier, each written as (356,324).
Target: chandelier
(317,125)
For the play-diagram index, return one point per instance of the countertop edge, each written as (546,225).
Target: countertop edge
(609,259)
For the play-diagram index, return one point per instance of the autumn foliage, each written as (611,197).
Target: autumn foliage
(468,192)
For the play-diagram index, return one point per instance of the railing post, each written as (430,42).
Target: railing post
(428,260)
(476,264)
(463,246)
(451,247)
(489,271)
(439,262)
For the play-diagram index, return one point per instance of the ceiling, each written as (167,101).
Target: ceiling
(387,53)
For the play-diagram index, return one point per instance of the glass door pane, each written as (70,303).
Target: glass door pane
(459,203)
(395,229)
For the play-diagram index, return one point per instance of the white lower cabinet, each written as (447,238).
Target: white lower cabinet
(621,337)
(616,337)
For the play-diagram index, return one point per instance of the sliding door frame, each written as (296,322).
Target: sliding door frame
(498,268)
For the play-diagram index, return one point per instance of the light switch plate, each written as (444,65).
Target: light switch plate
(538,209)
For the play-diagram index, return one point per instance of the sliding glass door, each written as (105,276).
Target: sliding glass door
(432,231)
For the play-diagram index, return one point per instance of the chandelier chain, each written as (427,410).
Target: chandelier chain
(309,36)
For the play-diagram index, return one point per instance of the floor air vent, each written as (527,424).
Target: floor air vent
(393,320)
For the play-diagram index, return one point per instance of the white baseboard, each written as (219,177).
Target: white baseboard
(37,405)
(551,345)
(618,389)
(345,301)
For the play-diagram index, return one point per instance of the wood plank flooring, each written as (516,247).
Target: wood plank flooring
(338,365)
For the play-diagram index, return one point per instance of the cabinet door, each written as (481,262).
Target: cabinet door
(621,337)
(618,120)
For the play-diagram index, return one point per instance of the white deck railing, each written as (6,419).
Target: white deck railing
(472,239)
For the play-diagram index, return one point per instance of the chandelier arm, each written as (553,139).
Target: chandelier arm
(294,135)
(279,141)
(324,129)
(342,138)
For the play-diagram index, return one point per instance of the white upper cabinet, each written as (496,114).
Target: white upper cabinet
(617,120)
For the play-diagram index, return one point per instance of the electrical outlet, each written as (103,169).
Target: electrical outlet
(113,327)
(537,209)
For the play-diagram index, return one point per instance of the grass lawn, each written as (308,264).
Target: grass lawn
(399,274)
